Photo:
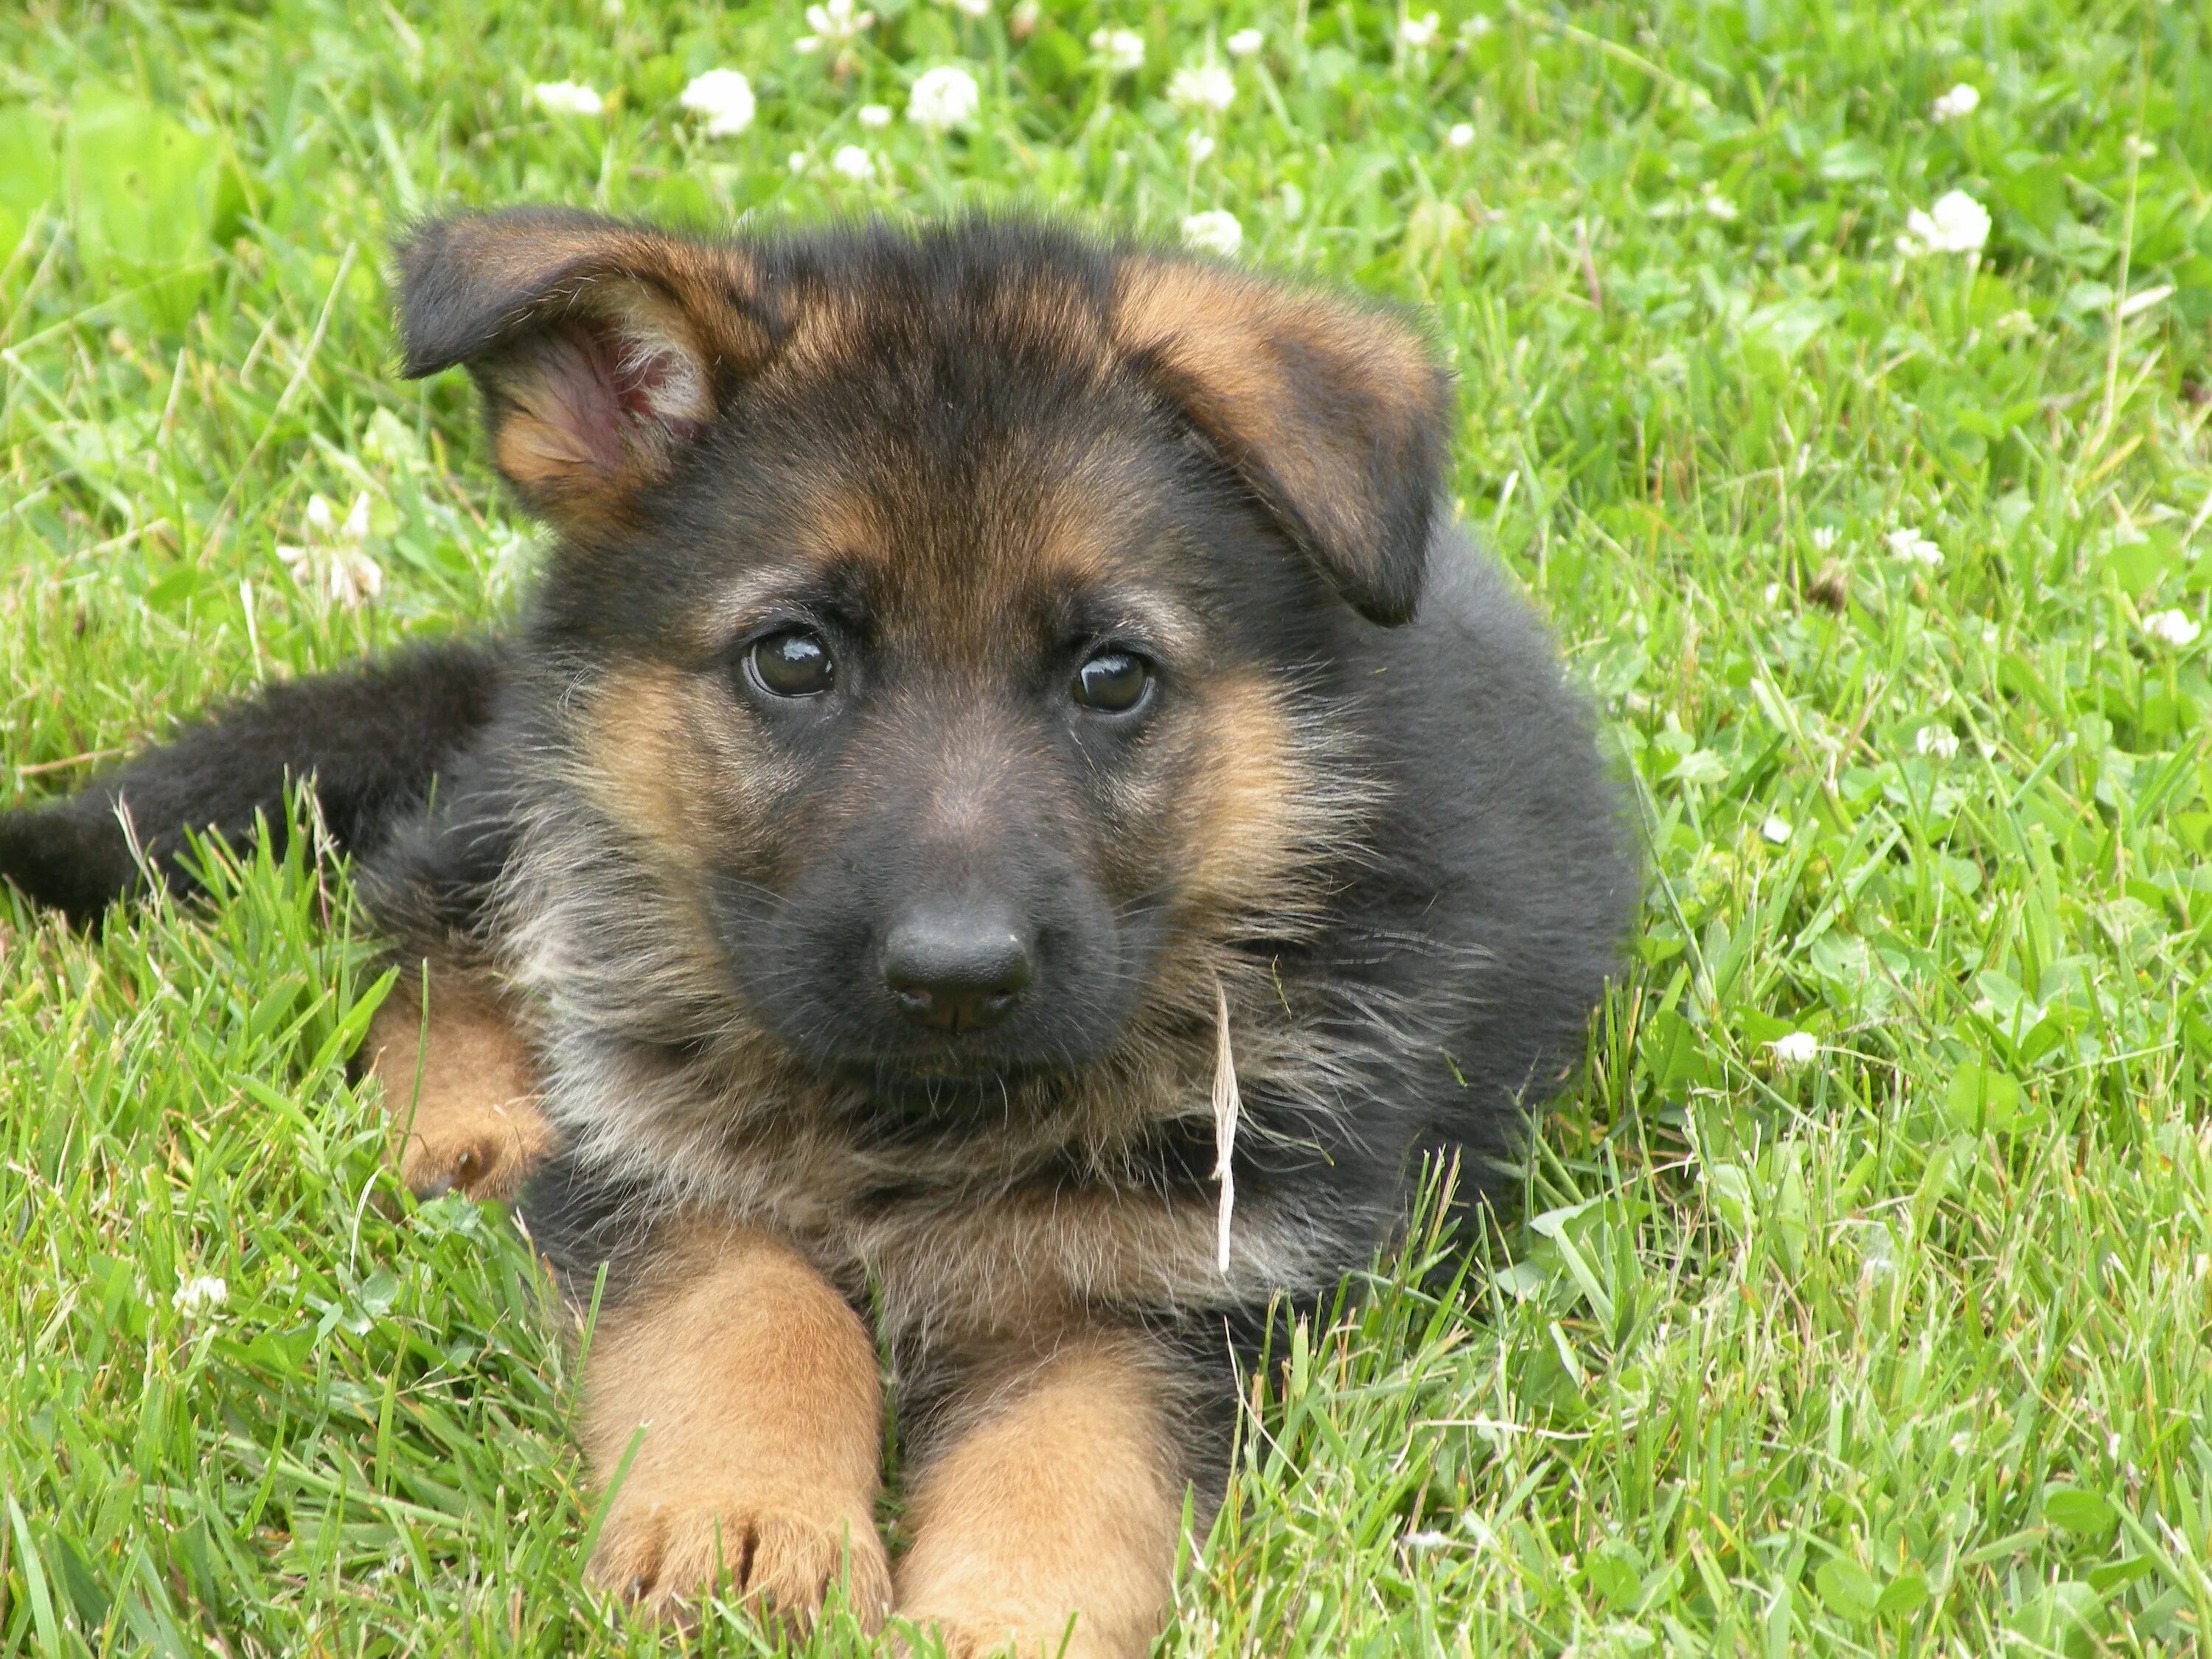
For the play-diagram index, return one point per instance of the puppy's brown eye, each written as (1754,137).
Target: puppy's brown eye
(1113,682)
(794,663)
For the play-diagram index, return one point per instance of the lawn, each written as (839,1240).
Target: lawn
(1857,1300)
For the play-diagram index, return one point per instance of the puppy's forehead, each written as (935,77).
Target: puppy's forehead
(966,465)
(1024,537)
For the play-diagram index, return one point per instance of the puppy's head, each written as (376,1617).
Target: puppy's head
(954,617)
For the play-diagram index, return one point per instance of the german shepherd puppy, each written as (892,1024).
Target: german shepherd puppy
(1010,827)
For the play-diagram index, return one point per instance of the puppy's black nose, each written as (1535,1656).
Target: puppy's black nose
(958,969)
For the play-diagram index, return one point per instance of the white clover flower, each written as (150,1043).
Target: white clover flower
(1957,104)
(725,97)
(335,560)
(944,97)
(1199,145)
(1913,548)
(1022,22)
(1795,1047)
(851,161)
(507,560)
(1207,86)
(1478,26)
(390,444)
(355,530)
(1937,742)
(1245,43)
(1217,232)
(835,24)
(204,1295)
(1956,224)
(1418,34)
(874,117)
(1460,135)
(972,8)
(2173,628)
(2140,149)
(796,161)
(1823,537)
(1778,829)
(1717,205)
(1122,50)
(567,98)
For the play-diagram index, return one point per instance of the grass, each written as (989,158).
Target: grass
(1899,1349)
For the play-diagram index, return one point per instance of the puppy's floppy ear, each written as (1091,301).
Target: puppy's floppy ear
(601,349)
(1334,415)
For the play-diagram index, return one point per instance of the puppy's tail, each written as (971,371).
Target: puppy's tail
(373,739)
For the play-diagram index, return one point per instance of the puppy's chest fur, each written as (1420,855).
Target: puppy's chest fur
(975,1223)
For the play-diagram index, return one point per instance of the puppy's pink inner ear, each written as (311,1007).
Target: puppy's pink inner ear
(568,415)
(596,395)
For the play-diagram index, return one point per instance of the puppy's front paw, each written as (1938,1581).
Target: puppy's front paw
(733,1404)
(1048,1529)
(461,1091)
(485,1148)
(664,1554)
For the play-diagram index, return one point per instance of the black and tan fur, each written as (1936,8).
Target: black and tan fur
(1355,805)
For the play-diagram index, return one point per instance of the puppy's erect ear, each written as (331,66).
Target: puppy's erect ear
(601,347)
(1334,415)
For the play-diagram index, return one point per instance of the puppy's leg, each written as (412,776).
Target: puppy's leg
(1048,1524)
(460,1088)
(755,1387)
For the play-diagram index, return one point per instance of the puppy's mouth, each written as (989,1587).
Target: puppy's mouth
(903,1098)
(946,1071)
